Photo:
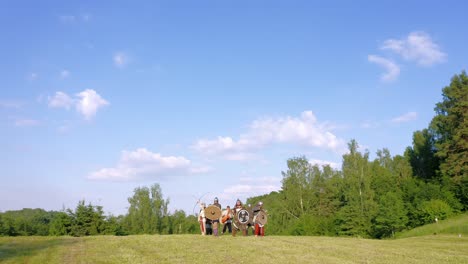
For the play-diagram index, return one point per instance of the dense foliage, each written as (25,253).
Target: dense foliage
(147,214)
(377,198)
(366,198)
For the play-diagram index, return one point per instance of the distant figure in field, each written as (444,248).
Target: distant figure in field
(436,220)
(226,219)
(216,222)
(202,218)
(259,228)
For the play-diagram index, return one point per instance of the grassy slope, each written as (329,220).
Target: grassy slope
(198,249)
(452,226)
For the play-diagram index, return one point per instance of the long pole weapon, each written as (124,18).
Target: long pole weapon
(198,201)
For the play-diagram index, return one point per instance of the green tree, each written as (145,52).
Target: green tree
(114,226)
(391,217)
(450,126)
(422,155)
(86,219)
(147,211)
(295,186)
(435,208)
(359,208)
(60,225)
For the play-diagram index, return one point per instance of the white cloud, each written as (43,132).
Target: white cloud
(61,100)
(142,163)
(418,47)
(303,130)
(26,122)
(392,70)
(64,74)
(86,103)
(410,116)
(120,59)
(89,102)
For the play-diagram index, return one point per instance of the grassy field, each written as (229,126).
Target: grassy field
(198,249)
(455,225)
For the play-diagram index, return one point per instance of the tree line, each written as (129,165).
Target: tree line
(366,198)
(147,214)
(376,198)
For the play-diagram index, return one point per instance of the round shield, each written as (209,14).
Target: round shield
(212,212)
(261,218)
(243,216)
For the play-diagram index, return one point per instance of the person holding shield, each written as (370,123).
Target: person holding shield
(216,221)
(241,218)
(259,219)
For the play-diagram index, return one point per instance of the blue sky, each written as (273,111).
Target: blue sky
(209,97)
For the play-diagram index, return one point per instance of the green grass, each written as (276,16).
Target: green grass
(452,226)
(228,249)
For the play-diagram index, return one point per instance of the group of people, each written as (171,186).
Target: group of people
(227,218)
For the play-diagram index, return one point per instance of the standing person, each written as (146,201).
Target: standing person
(250,224)
(237,207)
(202,219)
(259,228)
(216,222)
(208,226)
(227,219)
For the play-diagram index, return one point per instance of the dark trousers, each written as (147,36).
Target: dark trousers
(229,227)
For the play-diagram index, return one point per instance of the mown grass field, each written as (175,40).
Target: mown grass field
(455,225)
(228,249)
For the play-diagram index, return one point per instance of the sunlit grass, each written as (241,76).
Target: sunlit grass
(455,225)
(199,249)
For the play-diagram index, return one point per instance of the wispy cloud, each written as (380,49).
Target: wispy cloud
(250,187)
(26,122)
(392,70)
(33,76)
(11,104)
(64,74)
(67,18)
(304,130)
(143,164)
(86,17)
(410,116)
(75,18)
(370,124)
(418,47)
(61,100)
(87,102)
(120,59)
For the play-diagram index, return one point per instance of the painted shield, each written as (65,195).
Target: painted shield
(212,212)
(243,216)
(261,218)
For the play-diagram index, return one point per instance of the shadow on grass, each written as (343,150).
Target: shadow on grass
(24,247)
